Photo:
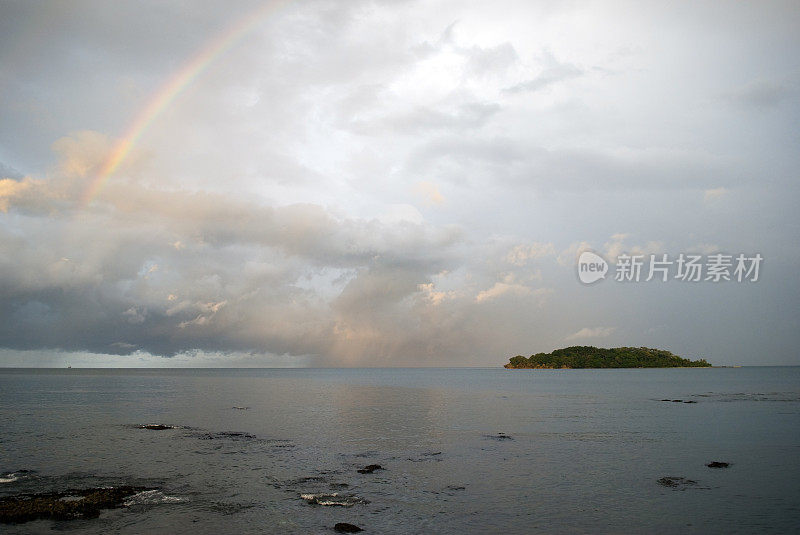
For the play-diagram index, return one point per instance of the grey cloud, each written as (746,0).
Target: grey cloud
(170,271)
(515,164)
(761,94)
(6,171)
(424,119)
(273,207)
(167,273)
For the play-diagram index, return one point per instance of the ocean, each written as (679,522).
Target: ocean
(460,450)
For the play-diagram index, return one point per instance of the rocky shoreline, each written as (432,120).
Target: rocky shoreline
(69,504)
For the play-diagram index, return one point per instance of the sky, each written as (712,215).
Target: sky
(393,183)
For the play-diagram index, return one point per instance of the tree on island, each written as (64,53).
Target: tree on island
(598,357)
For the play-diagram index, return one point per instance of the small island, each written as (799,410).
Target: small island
(598,357)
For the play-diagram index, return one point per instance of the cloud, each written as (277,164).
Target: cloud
(519,255)
(617,246)
(171,271)
(501,288)
(429,192)
(704,248)
(520,165)
(372,183)
(6,171)
(10,189)
(760,94)
(420,119)
(510,286)
(399,213)
(81,153)
(569,256)
(553,73)
(591,332)
(434,296)
(714,194)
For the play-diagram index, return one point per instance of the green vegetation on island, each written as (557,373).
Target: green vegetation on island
(598,357)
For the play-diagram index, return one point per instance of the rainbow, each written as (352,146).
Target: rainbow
(173,87)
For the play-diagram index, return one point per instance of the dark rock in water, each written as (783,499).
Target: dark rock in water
(227,434)
(679,483)
(344,527)
(718,464)
(500,436)
(666,400)
(67,505)
(690,401)
(156,427)
(426,457)
(333,499)
(240,408)
(370,468)
(677,401)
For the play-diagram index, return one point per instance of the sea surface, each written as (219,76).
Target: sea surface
(462,450)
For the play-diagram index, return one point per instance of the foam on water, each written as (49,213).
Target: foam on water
(152,497)
(333,499)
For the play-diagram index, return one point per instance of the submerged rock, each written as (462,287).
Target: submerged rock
(240,408)
(344,527)
(333,498)
(156,427)
(370,468)
(235,435)
(67,505)
(718,464)
(500,436)
(674,482)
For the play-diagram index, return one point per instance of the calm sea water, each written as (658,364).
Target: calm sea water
(585,452)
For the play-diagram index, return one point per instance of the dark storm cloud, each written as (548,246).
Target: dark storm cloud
(171,271)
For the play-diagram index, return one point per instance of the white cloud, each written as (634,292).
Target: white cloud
(399,213)
(519,255)
(617,246)
(501,288)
